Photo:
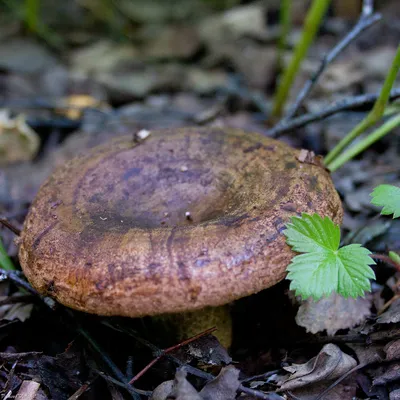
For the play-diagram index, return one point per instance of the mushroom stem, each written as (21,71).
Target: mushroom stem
(189,324)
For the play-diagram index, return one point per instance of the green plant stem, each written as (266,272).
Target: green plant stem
(31,15)
(5,261)
(284,21)
(311,24)
(365,143)
(373,116)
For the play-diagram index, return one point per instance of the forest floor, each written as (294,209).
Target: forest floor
(81,78)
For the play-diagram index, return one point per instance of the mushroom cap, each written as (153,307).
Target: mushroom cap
(187,218)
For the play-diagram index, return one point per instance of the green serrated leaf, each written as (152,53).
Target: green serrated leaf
(324,268)
(394,257)
(388,197)
(312,233)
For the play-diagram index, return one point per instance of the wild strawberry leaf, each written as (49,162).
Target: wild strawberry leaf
(324,267)
(388,197)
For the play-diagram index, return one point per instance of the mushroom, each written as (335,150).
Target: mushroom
(183,222)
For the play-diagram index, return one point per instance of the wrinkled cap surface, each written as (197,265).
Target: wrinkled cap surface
(184,219)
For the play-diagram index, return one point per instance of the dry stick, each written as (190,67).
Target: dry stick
(81,390)
(265,375)
(169,350)
(192,370)
(388,304)
(118,383)
(133,391)
(386,259)
(344,376)
(348,373)
(11,357)
(13,276)
(339,106)
(11,227)
(338,155)
(366,20)
(115,370)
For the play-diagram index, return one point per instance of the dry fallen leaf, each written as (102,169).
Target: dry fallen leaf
(223,387)
(15,311)
(182,389)
(162,391)
(392,315)
(392,350)
(28,390)
(18,142)
(330,364)
(332,313)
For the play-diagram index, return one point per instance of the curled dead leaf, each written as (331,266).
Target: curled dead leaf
(330,364)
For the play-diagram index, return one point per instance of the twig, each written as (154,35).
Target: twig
(388,304)
(118,383)
(14,277)
(258,394)
(192,370)
(385,259)
(106,359)
(368,7)
(12,357)
(10,226)
(169,350)
(372,117)
(343,377)
(312,22)
(8,384)
(261,376)
(339,106)
(377,360)
(366,20)
(82,390)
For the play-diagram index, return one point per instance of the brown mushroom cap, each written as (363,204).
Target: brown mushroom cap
(109,233)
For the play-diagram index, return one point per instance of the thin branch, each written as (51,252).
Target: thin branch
(169,350)
(12,357)
(312,22)
(10,226)
(14,277)
(339,106)
(120,384)
(386,259)
(368,7)
(190,369)
(366,20)
(376,360)
(265,375)
(107,360)
(373,116)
